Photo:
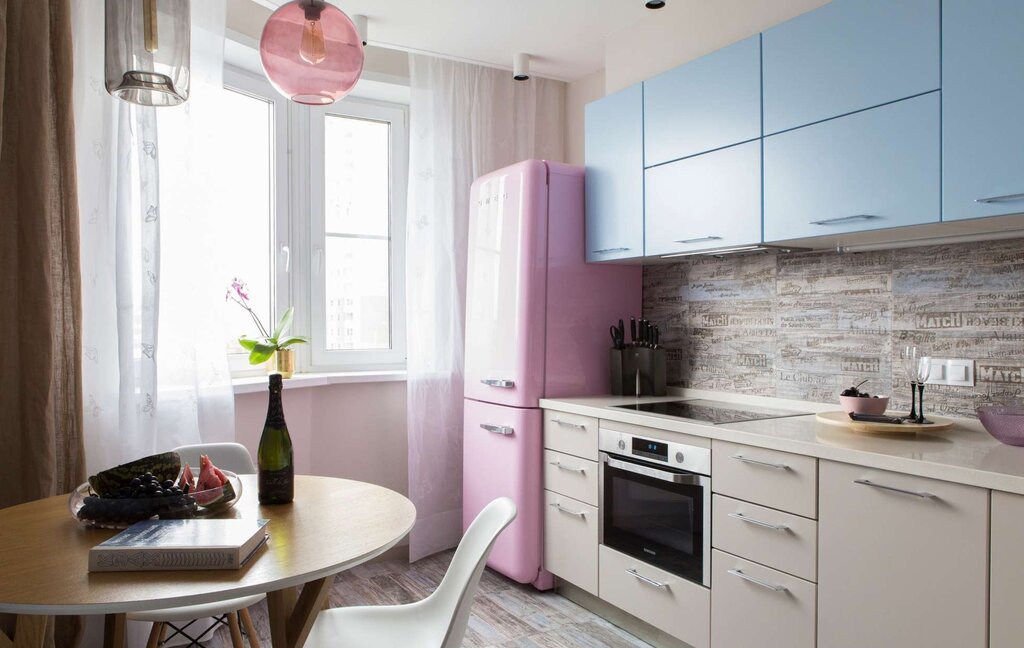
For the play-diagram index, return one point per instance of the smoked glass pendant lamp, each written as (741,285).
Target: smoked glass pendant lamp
(147,51)
(311,52)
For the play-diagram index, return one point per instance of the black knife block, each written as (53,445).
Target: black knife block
(637,371)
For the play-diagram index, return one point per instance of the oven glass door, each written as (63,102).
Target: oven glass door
(658,515)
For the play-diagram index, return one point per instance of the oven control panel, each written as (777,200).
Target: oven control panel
(660,451)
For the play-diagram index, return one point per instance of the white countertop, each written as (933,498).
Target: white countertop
(965,453)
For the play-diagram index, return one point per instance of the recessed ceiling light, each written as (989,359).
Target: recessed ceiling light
(654,4)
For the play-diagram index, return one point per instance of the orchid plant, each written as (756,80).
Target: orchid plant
(260,350)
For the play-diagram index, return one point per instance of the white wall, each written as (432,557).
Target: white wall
(579,94)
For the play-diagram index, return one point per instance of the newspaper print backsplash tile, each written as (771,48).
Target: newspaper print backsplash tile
(806,325)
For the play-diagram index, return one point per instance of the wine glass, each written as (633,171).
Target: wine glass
(910,355)
(922,371)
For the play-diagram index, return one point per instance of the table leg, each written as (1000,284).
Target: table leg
(29,632)
(290,619)
(113,631)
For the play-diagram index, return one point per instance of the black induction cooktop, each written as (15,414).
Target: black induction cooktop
(709,411)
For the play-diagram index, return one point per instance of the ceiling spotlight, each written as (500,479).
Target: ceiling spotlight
(360,22)
(654,4)
(521,67)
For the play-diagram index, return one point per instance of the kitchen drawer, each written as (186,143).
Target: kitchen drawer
(571,433)
(570,540)
(571,476)
(670,603)
(752,605)
(781,480)
(779,540)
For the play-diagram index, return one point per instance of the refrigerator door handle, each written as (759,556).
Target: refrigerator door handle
(504,430)
(499,382)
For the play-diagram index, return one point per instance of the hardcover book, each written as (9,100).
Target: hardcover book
(162,545)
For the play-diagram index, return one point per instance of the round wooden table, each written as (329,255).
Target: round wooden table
(332,525)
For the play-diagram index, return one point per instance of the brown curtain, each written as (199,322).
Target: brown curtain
(41,451)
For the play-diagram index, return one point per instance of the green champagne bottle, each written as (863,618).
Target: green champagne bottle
(276,466)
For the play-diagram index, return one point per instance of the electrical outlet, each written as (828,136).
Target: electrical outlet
(956,371)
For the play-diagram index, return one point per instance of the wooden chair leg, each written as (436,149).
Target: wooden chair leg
(156,634)
(236,632)
(250,628)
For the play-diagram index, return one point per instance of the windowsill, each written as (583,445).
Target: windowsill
(253,384)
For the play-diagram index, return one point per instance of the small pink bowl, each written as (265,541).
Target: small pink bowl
(860,405)
(1005,423)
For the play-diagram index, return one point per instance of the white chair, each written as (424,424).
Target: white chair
(233,612)
(438,621)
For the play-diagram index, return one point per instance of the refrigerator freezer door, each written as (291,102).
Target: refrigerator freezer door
(502,458)
(505,286)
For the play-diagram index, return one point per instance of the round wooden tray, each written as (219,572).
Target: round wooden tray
(842,419)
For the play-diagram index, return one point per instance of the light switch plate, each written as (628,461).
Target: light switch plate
(956,371)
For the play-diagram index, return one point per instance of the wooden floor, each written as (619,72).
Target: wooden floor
(505,613)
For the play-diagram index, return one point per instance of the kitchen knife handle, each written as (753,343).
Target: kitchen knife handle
(632,330)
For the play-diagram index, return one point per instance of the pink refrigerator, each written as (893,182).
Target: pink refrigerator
(537,326)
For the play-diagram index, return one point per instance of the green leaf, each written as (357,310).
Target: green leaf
(247,344)
(261,353)
(295,339)
(284,323)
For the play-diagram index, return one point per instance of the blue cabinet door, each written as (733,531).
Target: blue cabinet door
(982,100)
(709,103)
(846,56)
(614,141)
(707,201)
(875,169)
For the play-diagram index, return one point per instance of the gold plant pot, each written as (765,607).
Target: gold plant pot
(282,362)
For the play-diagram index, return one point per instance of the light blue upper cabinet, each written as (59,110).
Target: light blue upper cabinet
(982,99)
(614,135)
(847,56)
(706,104)
(875,169)
(704,202)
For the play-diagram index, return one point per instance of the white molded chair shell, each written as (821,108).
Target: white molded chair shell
(201,611)
(438,621)
(226,456)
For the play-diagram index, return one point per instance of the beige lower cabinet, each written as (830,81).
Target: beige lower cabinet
(902,560)
(1006,620)
(753,606)
(570,540)
(667,602)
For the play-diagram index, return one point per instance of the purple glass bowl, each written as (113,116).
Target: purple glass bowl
(1004,422)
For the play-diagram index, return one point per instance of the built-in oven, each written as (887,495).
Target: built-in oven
(655,502)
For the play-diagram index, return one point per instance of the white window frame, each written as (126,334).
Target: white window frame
(281,249)
(322,359)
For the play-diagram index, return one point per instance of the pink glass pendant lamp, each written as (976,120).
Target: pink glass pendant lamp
(311,52)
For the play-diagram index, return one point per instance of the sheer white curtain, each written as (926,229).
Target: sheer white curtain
(466,120)
(154,369)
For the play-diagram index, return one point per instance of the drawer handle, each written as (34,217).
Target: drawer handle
(767,525)
(766,464)
(504,430)
(702,239)
(650,581)
(499,382)
(561,466)
(757,581)
(921,494)
(610,250)
(568,424)
(839,220)
(581,514)
(999,199)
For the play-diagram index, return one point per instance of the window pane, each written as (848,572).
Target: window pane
(358,294)
(356,172)
(247,142)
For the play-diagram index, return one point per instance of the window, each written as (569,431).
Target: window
(319,211)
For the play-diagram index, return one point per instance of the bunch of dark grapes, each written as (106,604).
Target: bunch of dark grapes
(141,498)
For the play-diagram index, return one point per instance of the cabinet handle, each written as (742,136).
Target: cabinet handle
(581,514)
(559,465)
(610,250)
(499,382)
(921,494)
(569,424)
(844,219)
(650,581)
(700,240)
(999,199)
(767,525)
(766,464)
(504,430)
(757,581)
